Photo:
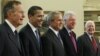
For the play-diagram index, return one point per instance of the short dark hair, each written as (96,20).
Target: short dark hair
(8,6)
(32,10)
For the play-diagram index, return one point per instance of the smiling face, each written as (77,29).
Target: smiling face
(16,15)
(57,22)
(70,23)
(37,19)
(90,28)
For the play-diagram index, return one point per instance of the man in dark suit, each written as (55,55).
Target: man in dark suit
(10,44)
(52,44)
(30,34)
(87,43)
(67,35)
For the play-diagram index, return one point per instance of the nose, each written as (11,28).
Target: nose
(41,19)
(23,16)
(61,22)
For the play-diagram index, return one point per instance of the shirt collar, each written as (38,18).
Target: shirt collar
(89,36)
(56,32)
(10,25)
(67,29)
(32,27)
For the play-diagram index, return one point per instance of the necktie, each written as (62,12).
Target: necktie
(17,39)
(94,43)
(73,40)
(37,37)
(59,37)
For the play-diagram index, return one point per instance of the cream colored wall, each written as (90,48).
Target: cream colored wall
(62,5)
(0,11)
(59,5)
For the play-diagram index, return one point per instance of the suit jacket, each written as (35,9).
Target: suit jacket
(86,47)
(68,44)
(8,45)
(30,42)
(51,45)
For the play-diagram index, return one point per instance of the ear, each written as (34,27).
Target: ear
(9,13)
(29,16)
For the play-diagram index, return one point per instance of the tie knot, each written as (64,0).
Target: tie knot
(15,32)
(92,37)
(71,33)
(36,31)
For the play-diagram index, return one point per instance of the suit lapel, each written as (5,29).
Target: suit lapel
(88,41)
(67,37)
(54,37)
(34,40)
(11,34)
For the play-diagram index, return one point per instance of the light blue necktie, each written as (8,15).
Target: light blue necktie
(37,37)
(59,37)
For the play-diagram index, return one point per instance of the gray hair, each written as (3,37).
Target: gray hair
(9,6)
(88,22)
(51,15)
(68,15)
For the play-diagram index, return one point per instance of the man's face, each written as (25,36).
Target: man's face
(70,23)
(37,19)
(90,28)
(16,17)
(57,22)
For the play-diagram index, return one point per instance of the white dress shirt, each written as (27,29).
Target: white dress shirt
(10,25)
(56,32)
(68,30)
(89,36)
(32,27)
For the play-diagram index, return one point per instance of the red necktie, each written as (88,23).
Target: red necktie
(94,44)
(73,40)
